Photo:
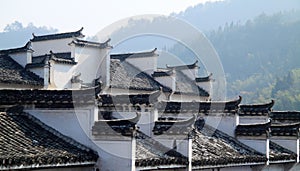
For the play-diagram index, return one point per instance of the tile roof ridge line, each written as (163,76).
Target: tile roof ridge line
(186,66)
(78,31)
(260,104)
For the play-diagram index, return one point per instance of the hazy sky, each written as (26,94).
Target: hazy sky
(91,14)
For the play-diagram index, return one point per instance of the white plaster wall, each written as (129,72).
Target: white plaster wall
(57,46)
(166,81)
(92,63)
(224,123)
(145,123)
(61,75)
(38,71)
(145,64)
(20,58)
(191,73)
(76,124)
(288,144)
(275,167)
(295,168)
(115,155)
(258,145)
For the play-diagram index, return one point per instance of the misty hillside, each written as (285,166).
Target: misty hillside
(211,15)
(16,35)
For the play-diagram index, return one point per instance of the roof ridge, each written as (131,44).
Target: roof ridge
(57,35)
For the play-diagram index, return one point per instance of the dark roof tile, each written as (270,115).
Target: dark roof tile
(57,36)
(124,56)
(13,73)
(212,147)
(27,142)
(126,76)
(152,153)
(184,85)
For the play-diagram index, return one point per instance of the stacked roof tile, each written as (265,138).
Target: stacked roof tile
(212,147)
(26,142)
(13,73)
(126,76)
(152,153)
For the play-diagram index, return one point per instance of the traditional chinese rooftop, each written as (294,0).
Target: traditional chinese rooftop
(185,85)
(107,100)
(174,127)
(278,153)
(204,79)
(151,153)
(285,116)
(126,76)
(12,72)
(208,107)
(124,56)
(211,147)
(262,109)
(257,129)
(27,143)
(85,43)
(115,126)
(74,34)
(25,48)
(181,67)
(49,98)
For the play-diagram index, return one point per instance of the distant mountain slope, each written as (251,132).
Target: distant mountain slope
(15,34)
(214,14)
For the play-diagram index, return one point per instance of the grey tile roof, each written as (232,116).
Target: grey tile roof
(256,109)
(285,116)
(124,56)
(57,36)
(126,76)
(16,50)
(84,43)
(49,98)
(150,152)
(184,85)
(279,153)
(27,142)
(180,67)
(212,147)
(13,73)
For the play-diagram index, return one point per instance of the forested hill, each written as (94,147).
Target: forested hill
(261,58)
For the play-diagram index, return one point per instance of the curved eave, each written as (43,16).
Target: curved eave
(181,67)
(253,129)
(134,55)
(204,79)
(260,106)
(187,122)
(120,121)
(58,36)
